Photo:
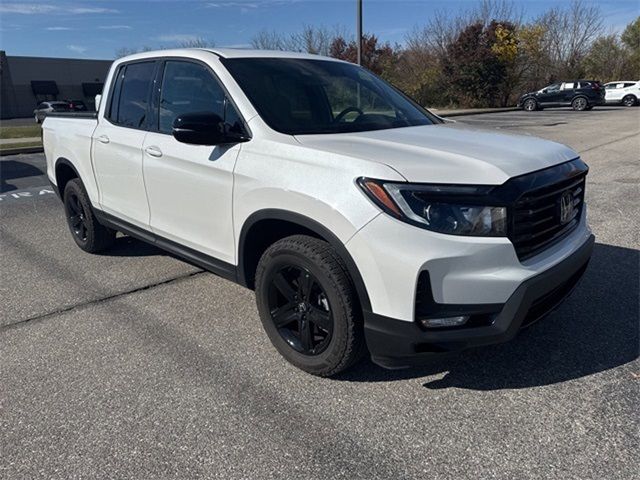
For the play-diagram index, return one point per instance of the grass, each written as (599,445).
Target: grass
(10,146)
(22,131)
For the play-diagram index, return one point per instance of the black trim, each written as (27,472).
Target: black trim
(309,224)
(91,115)
(396,344)
(211,264)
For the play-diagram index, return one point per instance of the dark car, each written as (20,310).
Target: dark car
(578,94)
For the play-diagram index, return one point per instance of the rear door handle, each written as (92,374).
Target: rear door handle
(153,151)
(103,139)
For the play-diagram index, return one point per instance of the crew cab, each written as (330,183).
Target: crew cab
(364,223)
(625,93)
(577,94)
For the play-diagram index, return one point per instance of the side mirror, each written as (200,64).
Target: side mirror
(204,128)
(201,128)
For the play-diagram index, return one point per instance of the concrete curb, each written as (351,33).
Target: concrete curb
(479,111)
(18,150)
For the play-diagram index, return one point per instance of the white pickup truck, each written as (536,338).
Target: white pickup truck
(363,222)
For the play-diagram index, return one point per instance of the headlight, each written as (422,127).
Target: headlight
(451,209)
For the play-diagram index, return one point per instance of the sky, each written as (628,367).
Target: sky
(97,29)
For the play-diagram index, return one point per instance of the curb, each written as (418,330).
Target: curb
(476,112)
(18,150)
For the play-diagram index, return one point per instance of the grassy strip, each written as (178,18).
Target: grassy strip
(22,131)
(11,146)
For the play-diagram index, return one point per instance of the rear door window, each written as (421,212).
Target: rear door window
(130,100)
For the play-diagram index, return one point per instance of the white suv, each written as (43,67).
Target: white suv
(362,221)
(626,93)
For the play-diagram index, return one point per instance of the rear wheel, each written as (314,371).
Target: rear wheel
(308,305)
(629,101)
(85,229)
(530,105)
(579,104)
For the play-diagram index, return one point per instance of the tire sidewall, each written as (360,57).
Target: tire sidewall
(74,187)
(272,262)
(575,104)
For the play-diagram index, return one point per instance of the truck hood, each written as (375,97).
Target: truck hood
(450,153)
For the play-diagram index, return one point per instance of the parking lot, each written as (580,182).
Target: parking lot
(134,364)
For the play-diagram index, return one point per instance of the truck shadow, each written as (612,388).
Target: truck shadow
(596,329)
(12,170)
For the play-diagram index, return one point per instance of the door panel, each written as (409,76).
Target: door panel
(117,160)
(190,188)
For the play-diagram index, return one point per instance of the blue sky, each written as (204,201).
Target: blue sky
(96,29)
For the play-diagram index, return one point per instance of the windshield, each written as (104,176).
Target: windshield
(301,96)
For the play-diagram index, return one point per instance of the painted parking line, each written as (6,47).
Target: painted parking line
(25,194)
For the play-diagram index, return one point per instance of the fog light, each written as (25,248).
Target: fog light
(444,322)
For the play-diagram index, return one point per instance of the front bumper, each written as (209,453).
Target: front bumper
(396,343)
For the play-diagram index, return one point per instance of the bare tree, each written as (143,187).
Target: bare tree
(311,39)
(570,33)
(197,43)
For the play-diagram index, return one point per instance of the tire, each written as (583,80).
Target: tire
(303,286)
(579,104)
(85,229)
(630,101)
(530,105)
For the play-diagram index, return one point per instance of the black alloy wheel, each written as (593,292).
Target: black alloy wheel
(629,101)
(300,309)
(76,216)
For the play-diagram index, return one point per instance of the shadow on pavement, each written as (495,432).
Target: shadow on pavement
(13,169)
(596,329)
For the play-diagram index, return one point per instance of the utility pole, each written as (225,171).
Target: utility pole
(359,30)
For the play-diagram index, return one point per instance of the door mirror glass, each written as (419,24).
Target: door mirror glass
(200,128)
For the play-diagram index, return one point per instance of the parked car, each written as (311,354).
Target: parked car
(625,93)
(47,107)
(361,220)
(578,94)
(77,105)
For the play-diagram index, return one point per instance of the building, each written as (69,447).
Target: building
(27,81)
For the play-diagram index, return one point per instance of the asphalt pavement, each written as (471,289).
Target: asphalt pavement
(134,364)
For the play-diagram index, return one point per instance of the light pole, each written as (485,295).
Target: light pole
(359,30)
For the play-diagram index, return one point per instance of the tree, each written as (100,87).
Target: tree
(310,39)
(631,41)
(474,71)
(377,57)
(606,59)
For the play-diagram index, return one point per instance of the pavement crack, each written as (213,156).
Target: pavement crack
(97,301)
(608,143)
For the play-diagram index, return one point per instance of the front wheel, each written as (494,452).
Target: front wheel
(87,232)
(579,104)
(629,101)
(308,305)
(530,105)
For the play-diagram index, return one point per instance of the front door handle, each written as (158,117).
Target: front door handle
(153,151)
(103,139)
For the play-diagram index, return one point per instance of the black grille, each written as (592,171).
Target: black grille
(538,217)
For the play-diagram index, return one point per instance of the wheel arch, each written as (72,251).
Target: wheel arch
(262,228)
(64,171)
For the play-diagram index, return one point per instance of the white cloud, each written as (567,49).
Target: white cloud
(83,10)
(27,9)
(47,8)
(244,5)
(77,48)
(114,27)
(58,29)
(178,37)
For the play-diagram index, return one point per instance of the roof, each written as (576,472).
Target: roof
(229,53)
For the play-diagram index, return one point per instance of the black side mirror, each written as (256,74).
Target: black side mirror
(203,128)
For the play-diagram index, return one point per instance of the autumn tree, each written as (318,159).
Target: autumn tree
(377,57)
(631,41)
